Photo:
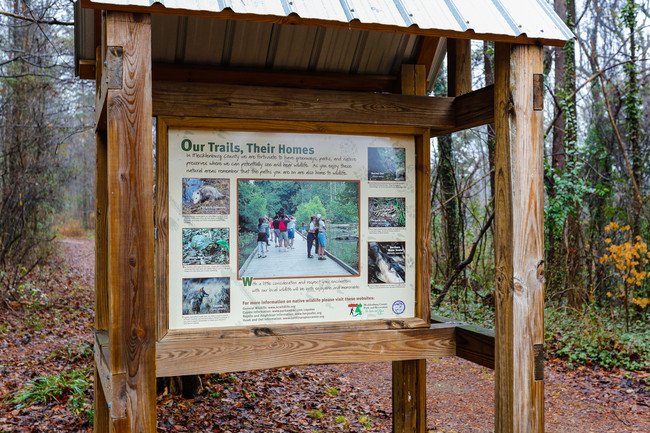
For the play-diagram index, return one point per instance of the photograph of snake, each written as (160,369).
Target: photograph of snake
(206,296)
(386,262)
(386,212)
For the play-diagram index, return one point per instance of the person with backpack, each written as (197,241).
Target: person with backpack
(276,229)
(284,236)
(262,238)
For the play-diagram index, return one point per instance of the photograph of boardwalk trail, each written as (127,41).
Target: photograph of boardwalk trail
(281,222)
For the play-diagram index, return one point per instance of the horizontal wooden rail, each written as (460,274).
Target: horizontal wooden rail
(305,105)
(473,343)
(440,114)
(182,356)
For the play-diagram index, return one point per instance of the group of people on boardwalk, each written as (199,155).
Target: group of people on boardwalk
(282,230)
(317,234)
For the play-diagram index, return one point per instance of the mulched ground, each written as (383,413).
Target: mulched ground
(52,333)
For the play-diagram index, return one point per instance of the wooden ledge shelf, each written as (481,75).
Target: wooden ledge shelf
(182,357)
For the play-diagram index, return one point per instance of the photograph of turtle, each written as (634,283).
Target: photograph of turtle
(386,163)
(206,295)
(386,212)
(206,246)
(206,196)
(386,262)
(330,247)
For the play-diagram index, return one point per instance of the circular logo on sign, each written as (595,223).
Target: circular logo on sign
(398,307)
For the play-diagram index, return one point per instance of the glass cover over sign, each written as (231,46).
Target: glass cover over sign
(277,228)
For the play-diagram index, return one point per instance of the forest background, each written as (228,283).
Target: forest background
(597,177)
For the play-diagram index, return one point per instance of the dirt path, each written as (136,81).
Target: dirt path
(302,399)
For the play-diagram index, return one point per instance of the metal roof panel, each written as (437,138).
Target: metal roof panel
(534,18)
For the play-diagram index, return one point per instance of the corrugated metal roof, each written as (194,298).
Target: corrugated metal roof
(351,37)
(505,18)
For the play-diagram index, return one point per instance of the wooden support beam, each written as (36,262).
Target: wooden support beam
(459,67)
(130,222)
(274,78)
(410,376)
(519,240)
(185,356)
(471,110)
(473,343)
(250,102)
(101,232)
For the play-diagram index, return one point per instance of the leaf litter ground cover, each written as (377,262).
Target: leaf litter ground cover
(46,354)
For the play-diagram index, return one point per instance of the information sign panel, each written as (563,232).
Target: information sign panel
(277,228)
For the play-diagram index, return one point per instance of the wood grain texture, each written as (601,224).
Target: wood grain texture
(130,226)
(473,343)
(294,19)
(459,67)
(274,78)
(426,54)
(474,109)
(209,355)
(101,232)
(519,237)
(101,415)
(162,228)
(409,376)
(254,102)
(409,385)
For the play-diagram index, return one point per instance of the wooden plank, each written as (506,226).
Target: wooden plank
(294,19)
(409,410)
(274,78)
(427,53)
(252,102)
(162,229)
(519,240)
(130,225)
(459,67)
(473,343)
(409,376)
(475,108)
(101,415)
(87,69)
(101,232)
(209,355)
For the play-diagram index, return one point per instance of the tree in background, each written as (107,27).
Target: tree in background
(36,108)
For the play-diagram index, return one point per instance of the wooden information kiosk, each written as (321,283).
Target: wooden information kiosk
(316,96)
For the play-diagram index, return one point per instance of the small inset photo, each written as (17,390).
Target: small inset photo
(206,196)
(206,296)
(387,163)
(386,262)
(206,247)
(386,212)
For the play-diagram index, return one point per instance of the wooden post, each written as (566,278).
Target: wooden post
(519,241)
(459,67)
(132,361)
(409,377)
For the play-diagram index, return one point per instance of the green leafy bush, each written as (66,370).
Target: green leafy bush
(592,337)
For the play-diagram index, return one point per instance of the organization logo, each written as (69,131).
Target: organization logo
(399,307)
(355,310)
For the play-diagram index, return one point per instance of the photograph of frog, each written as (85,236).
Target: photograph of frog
(206,196)
(206,296)
(387,163)
(209,246)
(386,262)
(386,212)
